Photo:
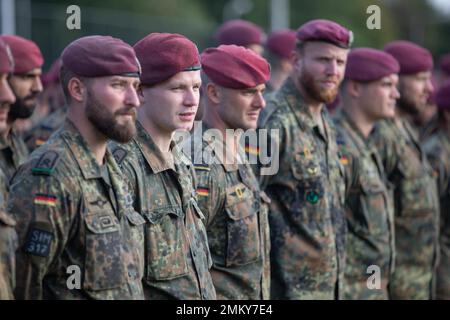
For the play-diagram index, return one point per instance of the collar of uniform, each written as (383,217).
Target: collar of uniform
(346,121)
(443,136)
(157,161)
(10,140)
(217,144)
(81,152)
(410,129)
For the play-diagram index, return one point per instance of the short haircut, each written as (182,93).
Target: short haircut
(65,75)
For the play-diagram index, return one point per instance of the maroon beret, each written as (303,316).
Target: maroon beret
(443,96)
(411,57)
(367,64)
(444,63)
(325,30)
(281,43)
(26,53)
(162,55)
(235,67)
(6,59)
(240,33)
(100,56)
(52,75)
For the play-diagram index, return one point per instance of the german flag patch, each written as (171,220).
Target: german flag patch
(344,160)
(39,142)
(203,191)
(45,199)
(249,149)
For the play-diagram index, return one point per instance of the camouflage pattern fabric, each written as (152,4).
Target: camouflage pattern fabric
(68,216)
(8,246)
(369,212)
(13,152)
(416,209)
(42,131)
(177,257)
(437,148)
(236,212)
(307,222)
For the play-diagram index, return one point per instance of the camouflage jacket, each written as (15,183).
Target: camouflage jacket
(416,209)
(8,246)
(307,222)
(78,233)
(369,211)
(429,129)
(437,148)
(42,131)
(237,223)
(13,152)
(177,257)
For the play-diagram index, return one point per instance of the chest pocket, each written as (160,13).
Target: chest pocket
(371,217)
(418,191)
(310,194)
(104,264)
(339,182)
(165,244)
(243,242)
(201,237)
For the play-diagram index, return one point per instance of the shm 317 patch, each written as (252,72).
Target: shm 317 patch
(38,242)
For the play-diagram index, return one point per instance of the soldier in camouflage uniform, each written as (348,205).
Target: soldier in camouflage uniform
(368,94)
(279,46)
(437,148)
(42,131)
(53,100)
(8,237)
(415,189)
(177,257)
(79,235)
(26,85)
(307,222)
(228,192)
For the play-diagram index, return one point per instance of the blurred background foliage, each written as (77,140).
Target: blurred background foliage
(44,21)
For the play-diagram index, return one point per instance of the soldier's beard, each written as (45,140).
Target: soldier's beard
(409,106)
(19,110)
(314,91)
(106,122)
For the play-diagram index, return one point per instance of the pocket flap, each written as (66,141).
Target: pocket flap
(197,209)
(239,202)
(264,197)
(369,188)
(135,218)
(101,223)
(155,216)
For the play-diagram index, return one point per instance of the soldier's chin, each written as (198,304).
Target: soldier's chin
(3,126)
(328,96)
(24,113)
(121,134)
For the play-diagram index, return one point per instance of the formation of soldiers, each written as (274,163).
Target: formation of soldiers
(358,207)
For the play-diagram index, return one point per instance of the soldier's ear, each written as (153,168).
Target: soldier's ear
(353,88)
(213,93)
(76,89)
(296,59)
(140,92)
